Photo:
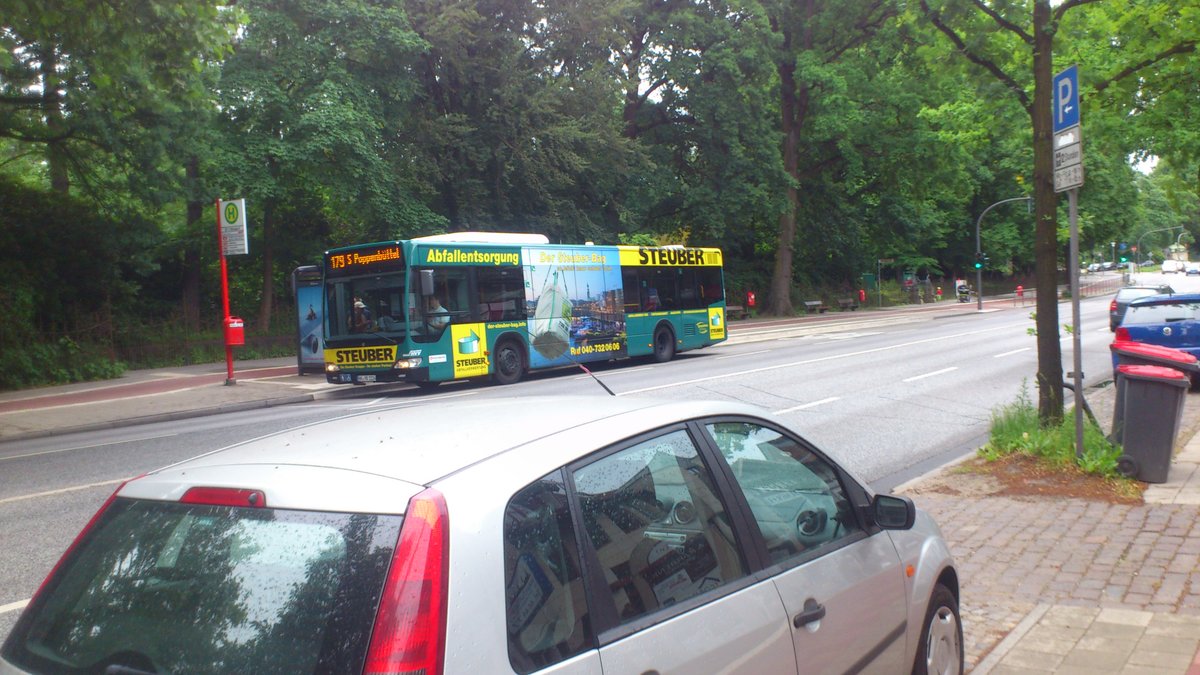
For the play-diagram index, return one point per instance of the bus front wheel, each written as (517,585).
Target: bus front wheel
(664,344)
(510,363)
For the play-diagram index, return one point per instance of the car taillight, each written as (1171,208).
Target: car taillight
(1122,335)
(1112,306)
(410,626)
(215,496)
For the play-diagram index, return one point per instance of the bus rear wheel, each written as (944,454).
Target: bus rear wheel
(509,362)
(664,344)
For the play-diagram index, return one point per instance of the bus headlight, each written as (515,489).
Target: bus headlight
(405,364)
(332,368)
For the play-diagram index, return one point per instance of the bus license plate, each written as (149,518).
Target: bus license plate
(365,378)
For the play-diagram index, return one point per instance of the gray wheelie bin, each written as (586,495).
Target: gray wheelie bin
(1142,354)
(1152,398)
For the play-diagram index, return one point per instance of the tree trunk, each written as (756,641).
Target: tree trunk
(191,253)
(268,285)
(1050,370)
(791,117)
(56,155)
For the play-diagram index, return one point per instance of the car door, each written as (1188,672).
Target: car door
(841,582)
(672,589)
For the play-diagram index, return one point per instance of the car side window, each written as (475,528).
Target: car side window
(544,596)
(657,524)
(795,496)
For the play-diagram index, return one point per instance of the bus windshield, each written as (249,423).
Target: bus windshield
(372,304)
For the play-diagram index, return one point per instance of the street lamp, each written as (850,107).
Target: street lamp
(1164,229)
(1113,257)
(979,251)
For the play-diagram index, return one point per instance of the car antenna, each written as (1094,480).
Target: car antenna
(584,369)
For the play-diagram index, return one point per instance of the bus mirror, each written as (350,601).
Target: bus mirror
(426,282)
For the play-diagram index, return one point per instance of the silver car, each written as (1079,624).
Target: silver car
(588,535)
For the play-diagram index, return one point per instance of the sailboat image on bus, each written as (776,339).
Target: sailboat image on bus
(550,329)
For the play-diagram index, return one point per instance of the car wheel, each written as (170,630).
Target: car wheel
(664,344)
(941,647)
(510,363)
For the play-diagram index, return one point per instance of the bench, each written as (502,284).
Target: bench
(811,306)
(847,304)
(735,312)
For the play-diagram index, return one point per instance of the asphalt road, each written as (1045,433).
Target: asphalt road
(889,397)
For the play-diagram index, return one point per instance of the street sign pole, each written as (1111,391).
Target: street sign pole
(224,298)
(1068,177)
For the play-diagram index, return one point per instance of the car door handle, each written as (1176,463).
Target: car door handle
(813,611)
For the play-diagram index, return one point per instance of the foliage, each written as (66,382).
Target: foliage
(58,362)
(1016,429)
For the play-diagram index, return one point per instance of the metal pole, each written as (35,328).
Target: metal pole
(879,281)
(224,300)
(1076,343)
(978,250)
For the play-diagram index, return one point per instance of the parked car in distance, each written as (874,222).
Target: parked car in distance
(1165,320)
(583,535)
(1192,268)
(1172,266)
(1126,295)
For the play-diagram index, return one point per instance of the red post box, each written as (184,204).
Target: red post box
(862,295)
(750,299)
(1020,291)
(235,332)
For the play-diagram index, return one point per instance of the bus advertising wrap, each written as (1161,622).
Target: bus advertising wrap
(579,310)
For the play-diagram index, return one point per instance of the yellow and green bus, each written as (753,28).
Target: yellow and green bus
(478,304)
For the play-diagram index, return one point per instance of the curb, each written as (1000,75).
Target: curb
(1014,636)
(205,412)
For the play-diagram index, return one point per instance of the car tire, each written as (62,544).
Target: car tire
(664,344)
(941,648)
(509,362)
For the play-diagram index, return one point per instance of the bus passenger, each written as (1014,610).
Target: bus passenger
(360,318)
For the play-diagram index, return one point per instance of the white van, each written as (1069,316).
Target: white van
(1172,266)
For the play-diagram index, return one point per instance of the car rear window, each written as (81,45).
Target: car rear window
(1131,294)
(1160,313)
(166,587)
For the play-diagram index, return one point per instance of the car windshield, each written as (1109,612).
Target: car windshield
(1160,313)
(167,587)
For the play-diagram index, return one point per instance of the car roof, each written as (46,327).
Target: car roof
(1176,299)
(421,444)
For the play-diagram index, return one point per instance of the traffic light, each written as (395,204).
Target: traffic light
(1124,259)
(979,258)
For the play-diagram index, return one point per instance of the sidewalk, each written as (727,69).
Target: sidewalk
(1048,584)
(1078,586)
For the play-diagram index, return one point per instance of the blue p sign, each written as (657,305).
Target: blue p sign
(1066,99)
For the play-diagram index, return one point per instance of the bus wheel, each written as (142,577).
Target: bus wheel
(510,363)
(664,344)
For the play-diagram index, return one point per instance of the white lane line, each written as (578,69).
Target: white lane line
(85,447)
(847,355)
(936,372)
(1015,351)
(52,493)
(813,404)
(14,606)
(734,356)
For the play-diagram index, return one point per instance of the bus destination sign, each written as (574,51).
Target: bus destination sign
(358,262)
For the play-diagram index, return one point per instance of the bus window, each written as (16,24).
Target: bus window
(501,294)
(451,289)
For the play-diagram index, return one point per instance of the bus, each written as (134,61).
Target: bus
(492,304)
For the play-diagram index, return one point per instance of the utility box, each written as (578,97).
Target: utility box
(1152,398)
(235,332)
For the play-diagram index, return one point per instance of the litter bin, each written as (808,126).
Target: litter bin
(1153,398)
(1142,354)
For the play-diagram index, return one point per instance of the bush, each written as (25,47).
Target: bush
(58,362)
(1016,429)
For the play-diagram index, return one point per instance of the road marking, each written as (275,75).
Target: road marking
(734,356)
(85,447)
(60,491)
(936,372)
(615,371)
(1015,351)
(805,362)
(14,606)
(813,404)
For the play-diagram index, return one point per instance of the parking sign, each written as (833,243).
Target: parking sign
(1066,99)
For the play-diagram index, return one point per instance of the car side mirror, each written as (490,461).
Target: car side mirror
(893,513)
